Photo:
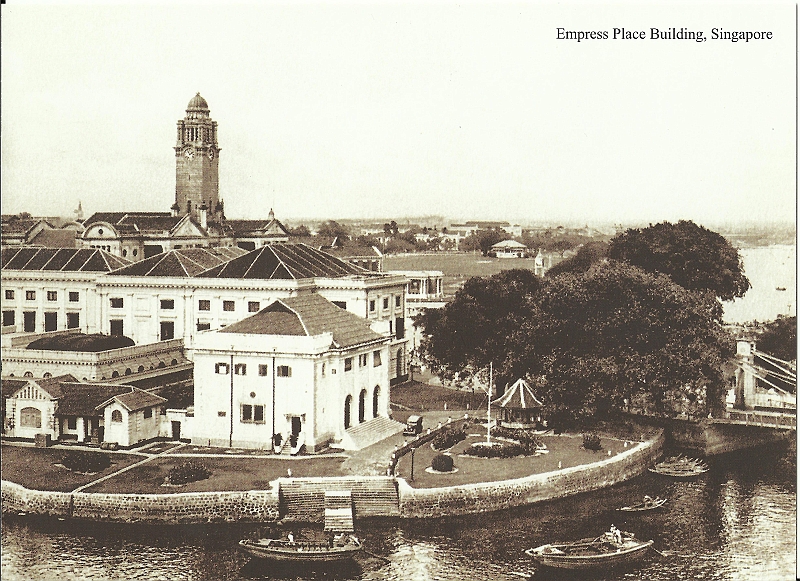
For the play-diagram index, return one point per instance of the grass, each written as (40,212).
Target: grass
(226,474)
(565,448)
(35,468)
(457,268)
(421,397)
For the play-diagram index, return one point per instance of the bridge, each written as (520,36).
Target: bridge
(761,419)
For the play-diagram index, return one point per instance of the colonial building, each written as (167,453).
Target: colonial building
(64,409)
(179,293)
(509,249)
(303,368)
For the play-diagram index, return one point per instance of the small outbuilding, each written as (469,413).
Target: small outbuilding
(519,406)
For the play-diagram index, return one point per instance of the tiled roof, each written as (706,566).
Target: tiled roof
(63,259)
(55,238)
(185,262)
(518,396)
(82,343)
(51,385)
(10,385)
(82,399)
(117,217)
(19,225)
(284,261)
(308,314)
(151,223)
(255,227)
(354,250)
(136,399)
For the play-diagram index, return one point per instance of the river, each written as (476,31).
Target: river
(737,522)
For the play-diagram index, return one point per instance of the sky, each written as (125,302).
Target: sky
(331,110)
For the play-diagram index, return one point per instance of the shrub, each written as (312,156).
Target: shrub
(530,441)
(442,463)
(448,437)
(504,451)
(190,471)
(81,461)
(592,442)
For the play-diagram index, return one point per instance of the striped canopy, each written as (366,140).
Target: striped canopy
(518,396)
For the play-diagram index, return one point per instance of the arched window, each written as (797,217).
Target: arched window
(140,369)
(30,418)
(27,374)
(161,365)
(47,375)
(127,371)
(347,402)
(116,416)
(173,362)
(362,397)
(375,395)
(115,373)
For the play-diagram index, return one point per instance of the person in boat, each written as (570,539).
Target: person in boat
(290,538)
(339,540)
(616,535)
(648,501)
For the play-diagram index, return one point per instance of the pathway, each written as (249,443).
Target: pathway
(149,458)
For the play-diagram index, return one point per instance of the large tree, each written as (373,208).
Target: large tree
(587,255)
(332,229)
(779,338)
(616,333)
(692,256)
(481,325)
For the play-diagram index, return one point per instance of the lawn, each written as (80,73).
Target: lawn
(564,448)
(35,468)
(418,396)
(226,474)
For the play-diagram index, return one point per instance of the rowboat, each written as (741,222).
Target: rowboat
(301,552)
(650,504)
(680,467)
(588,554)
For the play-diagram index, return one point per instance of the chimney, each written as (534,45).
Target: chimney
(204,217)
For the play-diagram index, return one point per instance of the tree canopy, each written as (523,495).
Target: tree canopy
(587,255)
(779,338)
(332,229)
(692,256)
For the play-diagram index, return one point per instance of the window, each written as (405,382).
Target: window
(29,321)
(362,360)
(376,358)
(167,304)
(148,413)
(167,330)
(203,326)
(348,363)
(400,330)
(228,306)
(283,371)
(72,423)
(262,370)
(30,418)
(51,321)
(73,320)
(8,318)
(74,297)
(397,301)
(391,329)
(116,416)
(117,327)
(340,304)
(372,306)
(30,295)
(221,368)
(252,413)
(253,306)
(385,303)
(240,369)
(117,303)
(52,295)
(222,414)
(203,305)
(9,294)
(323,369)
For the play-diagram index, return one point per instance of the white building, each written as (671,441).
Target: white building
(509,249)
(303,368)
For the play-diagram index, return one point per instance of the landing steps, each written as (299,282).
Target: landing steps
(303,499)
(338,511)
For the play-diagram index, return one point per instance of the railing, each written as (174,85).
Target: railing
(761,419)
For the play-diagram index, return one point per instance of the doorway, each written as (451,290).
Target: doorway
(176,431)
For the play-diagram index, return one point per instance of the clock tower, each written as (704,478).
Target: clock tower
(197,163)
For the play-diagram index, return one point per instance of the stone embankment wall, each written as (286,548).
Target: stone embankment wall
(489,496)
(188,507)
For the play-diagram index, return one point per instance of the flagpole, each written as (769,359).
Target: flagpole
(489,409)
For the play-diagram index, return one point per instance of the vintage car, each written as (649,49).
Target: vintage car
(413,426)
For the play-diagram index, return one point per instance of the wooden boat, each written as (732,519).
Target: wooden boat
(301,552)
(645,505)
(588,554)
(680,467)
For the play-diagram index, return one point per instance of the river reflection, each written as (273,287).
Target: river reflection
(736,522)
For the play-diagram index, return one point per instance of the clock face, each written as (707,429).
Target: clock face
(188,153)
(210,154)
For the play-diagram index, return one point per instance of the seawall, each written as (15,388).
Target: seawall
(490,496)
(303,498)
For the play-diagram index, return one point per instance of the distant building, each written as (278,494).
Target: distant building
(424,290)
(509,249)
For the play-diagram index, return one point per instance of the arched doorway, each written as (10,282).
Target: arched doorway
(375,394)
(362,401)
(347,402)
